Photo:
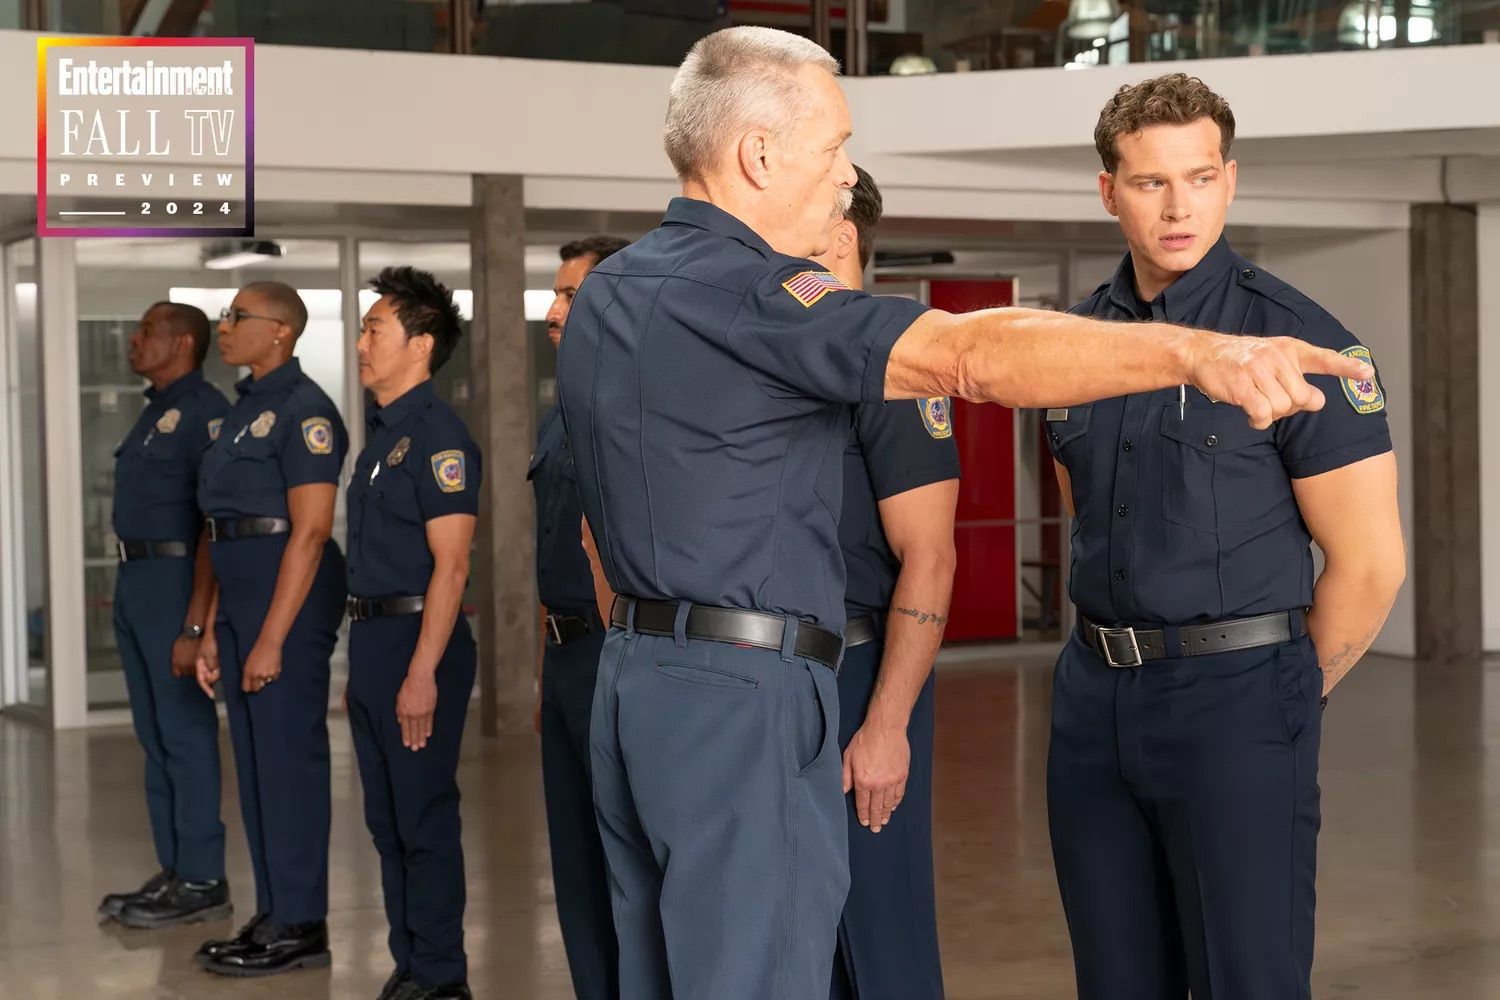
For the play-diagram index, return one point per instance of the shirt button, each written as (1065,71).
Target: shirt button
(1056,438)
(1120,574)
(1123,511)
(1211,440)
(1128,445)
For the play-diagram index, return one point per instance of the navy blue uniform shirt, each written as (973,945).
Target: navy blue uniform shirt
(700,377)
(282,432)
(156,466)
(896,447)
(419,463)
(1190,518)
(565,584)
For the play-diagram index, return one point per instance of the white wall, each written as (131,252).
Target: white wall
(1489,415)
(1365,282)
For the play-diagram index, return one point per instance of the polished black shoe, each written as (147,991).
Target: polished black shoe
(211,950)
(183,903)
(454,991)
(274,948)
(395,987)
(117,901)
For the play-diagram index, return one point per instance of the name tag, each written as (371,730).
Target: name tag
(1055,415)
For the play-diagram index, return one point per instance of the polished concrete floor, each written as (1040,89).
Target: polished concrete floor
(1409,884)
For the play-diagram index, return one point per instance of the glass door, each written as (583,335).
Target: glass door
(24,659)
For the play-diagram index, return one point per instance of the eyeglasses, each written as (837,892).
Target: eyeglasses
(233,316)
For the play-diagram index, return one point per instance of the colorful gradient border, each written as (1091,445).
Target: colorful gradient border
(43,45)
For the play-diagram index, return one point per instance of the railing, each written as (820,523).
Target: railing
(887,37)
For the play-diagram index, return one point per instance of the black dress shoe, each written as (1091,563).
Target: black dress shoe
(183,903)
(117,901)
(213,949)
(275,947)
(453,991)
(395,986)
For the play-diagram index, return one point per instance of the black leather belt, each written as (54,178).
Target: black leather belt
(224,529)
(151,550)
(1130,647)
(732,625)
(563,629)
(361,608)
(860,631)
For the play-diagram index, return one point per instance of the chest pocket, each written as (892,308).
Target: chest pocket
(1218,472)
(395,495)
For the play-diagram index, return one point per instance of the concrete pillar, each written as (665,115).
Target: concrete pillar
(1489,412)
(1445,463)
(504,571)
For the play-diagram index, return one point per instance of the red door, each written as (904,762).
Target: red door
(986,602)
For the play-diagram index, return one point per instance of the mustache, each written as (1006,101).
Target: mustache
(846,202)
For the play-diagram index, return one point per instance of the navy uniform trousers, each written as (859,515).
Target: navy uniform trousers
(728,878)
(580,876)
(177,726)
(888,946)
(1183,800)
(412,797)
(280,733)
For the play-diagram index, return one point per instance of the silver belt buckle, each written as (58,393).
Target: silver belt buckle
(556,632)
(213,529)
(1105,634)
(120,548)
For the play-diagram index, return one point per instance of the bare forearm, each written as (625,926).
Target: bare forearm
(440,610)
(203,585)
(914,631)
(299,564)
(1349,607)
(1032,357)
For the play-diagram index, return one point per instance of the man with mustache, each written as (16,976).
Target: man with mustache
(574,635)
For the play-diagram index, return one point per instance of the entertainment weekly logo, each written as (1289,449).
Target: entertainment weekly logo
(145,137)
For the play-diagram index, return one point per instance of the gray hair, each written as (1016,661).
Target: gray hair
(732,80)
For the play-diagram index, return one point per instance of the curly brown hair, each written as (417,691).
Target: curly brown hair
(1174,99)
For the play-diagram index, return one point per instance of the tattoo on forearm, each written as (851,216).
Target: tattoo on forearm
(922,617)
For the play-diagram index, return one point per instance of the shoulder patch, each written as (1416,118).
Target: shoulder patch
(936,416)
(317,434)
(808,287)
(1365,396)
(214,426)
(448,470)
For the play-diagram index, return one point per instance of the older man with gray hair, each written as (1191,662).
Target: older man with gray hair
(706,378)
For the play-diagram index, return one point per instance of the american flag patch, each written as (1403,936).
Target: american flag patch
(810,286)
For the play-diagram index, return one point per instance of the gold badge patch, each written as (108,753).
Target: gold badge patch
(448,470)
(214,426)
(1365,396)
(398,453)
(936,416)
(263,424)
(317,434)
(167,422)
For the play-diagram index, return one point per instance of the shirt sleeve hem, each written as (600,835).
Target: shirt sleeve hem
(1316,465)
(915,479)
(880,351)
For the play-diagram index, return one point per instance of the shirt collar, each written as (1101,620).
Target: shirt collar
(417,397)
(177,389)
(703,215)
(1183,295)
(250,386)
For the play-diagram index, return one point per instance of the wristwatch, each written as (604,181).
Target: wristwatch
(192,631)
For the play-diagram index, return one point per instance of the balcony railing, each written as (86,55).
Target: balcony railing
(872,36)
